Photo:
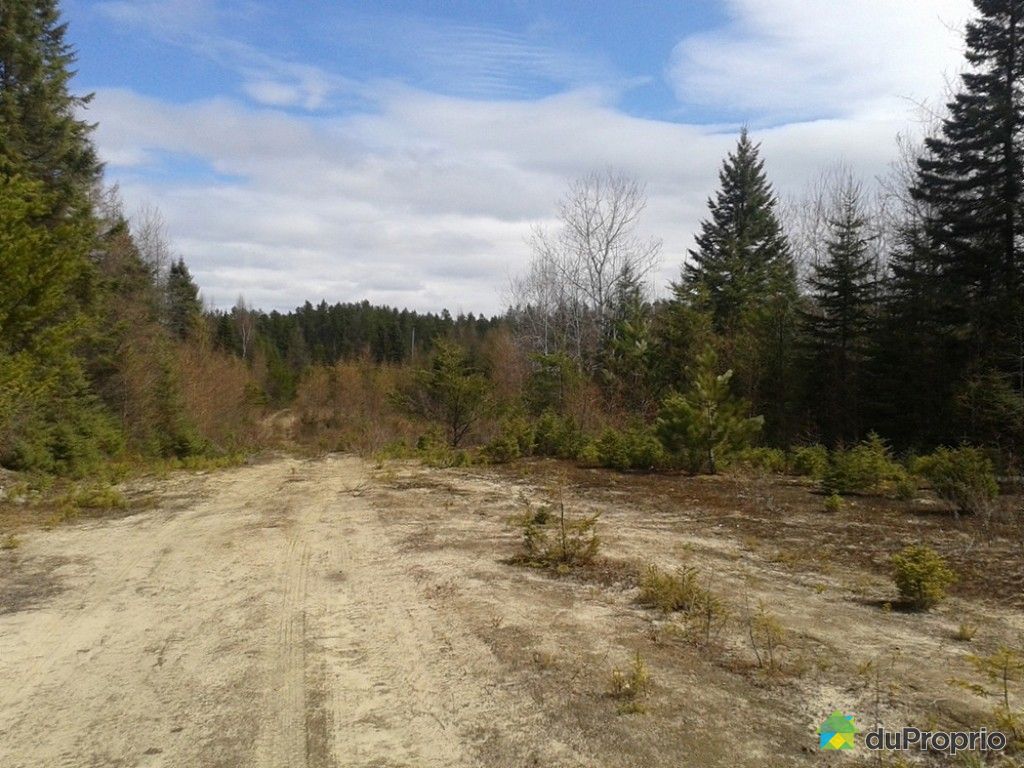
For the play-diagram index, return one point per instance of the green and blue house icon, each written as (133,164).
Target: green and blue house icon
(837,732)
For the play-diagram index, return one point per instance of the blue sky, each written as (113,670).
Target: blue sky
(403,151)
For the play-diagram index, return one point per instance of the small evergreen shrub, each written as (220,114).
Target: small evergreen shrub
(551,538)
(672,592)
(98,497)
(502,449)
(868,466)
(833,503)
(770,460)
(631,686)
(632,449)
(557,436)
(963,476)
(810,461)
(921,576)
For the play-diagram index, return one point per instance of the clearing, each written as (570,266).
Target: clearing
(331,612)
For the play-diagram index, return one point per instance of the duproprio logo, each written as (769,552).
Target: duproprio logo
(837,732)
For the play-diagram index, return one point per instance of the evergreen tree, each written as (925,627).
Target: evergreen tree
(625,363)
(972,181)
(40,136)
(742,276)
(184,309)
(838,328)
(708,423)
(741,249)
(450,392)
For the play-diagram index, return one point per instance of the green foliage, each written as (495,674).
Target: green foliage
(921,576)
(672,592)
(629,449)
(451,392)
(741,244)
(1003,666)
(868,466)
(516,437)
(40,133)
(552,538)
(838,328)
(184,309)
(502,449)
(98,497)
(963,476)
(631,686)
(708,424)
(810,461)
(833,503)
(558,436)
(552,383)
(771,460)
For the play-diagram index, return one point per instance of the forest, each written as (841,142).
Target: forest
(881,315)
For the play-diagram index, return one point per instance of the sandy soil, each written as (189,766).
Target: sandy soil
(330,613)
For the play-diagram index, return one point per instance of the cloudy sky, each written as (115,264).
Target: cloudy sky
(401,151)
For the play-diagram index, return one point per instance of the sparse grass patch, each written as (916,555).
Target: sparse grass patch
(965,632)
(10,541)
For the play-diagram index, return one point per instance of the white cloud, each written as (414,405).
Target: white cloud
(426,201)
(780,59)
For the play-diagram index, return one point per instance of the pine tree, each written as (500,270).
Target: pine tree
(972,181)
(741,249)
(708,423)
(184,309)
(40,136)
(625,364)
(450,392)
(838,329)
(742,275)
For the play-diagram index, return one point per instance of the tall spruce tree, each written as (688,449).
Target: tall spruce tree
(972,181)
(184,309)
(741,248)
(40,135)
(838,327)
(742,276)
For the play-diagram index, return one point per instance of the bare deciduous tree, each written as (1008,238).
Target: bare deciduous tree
(245,325)
(565,301)
(149,231)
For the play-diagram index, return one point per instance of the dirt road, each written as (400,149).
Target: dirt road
(270,623)
(329,613)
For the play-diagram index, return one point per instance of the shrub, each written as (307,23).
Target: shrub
(810,461)
(552,539)
(963,476)
(833,503)
(906,488)
(557,436)
(965,632)
(921,576)
(98,497)
(707,424)
(766,635)
(672,592)
(502,449)
(770,460)
(631,686)
(866,467)
(632,449)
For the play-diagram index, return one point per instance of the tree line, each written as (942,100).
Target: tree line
(898,312)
